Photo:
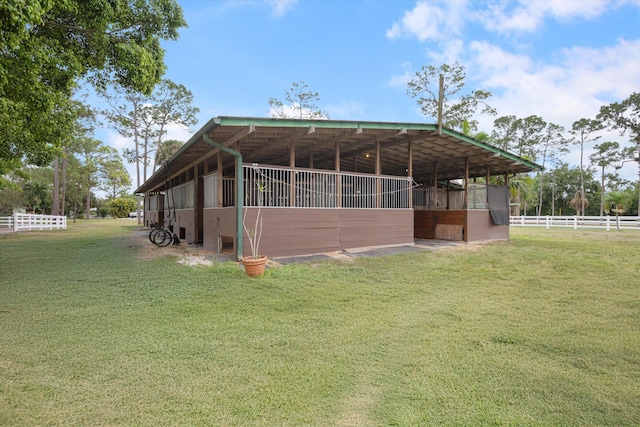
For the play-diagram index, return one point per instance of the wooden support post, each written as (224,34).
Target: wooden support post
(338,177)
(220,180)
(435,185)
(410,155)
(410,171)
(466,183)
(378,172)
(292,163)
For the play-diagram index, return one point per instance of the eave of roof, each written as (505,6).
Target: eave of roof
(245,129)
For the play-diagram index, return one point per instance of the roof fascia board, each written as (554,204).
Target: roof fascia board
(491,148)
(334,124)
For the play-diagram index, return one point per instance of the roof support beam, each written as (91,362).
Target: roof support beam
(286,141)
(240,135)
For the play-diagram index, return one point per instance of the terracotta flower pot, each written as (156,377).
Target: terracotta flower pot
(254,267)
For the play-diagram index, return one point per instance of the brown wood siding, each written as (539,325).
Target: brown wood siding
(185,218)
(151,217)
(364,227)
(217,222)
(288,231)
(481,227)
(425,221)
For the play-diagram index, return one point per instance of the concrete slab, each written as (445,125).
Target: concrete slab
(302,258)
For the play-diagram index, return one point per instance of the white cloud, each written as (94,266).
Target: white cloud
(280,7)
(430,21)
(529,16)
(450,51)
(401,80)
(610,73)
(583,80)
(441,20)
(117,141)
(574,87)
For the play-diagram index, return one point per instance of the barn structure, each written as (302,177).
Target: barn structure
(328,185)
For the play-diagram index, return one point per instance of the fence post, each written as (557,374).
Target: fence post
(575,222)
(547,221)
(608,223)
(15,222)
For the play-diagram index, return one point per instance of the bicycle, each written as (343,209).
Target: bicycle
(163,236)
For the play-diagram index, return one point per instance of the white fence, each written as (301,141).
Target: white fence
(575,222)
(26,222)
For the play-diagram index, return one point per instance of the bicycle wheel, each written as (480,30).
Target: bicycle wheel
(153,233)
(164,239)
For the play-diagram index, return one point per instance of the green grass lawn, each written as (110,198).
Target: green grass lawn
(541,330)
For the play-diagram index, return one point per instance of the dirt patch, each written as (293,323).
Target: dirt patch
(184,253)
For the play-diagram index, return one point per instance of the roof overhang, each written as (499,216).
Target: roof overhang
(270,140)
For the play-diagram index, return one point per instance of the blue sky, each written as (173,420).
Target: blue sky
(560,60)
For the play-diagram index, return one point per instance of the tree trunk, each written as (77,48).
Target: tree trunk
(602,193)
(87,205)
(63,196)
(582,179)
(55,202)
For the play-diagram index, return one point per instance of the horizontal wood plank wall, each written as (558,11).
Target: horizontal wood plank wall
(217,222)
(308,231)
(481,227)
(376,227)
(296,231)
(425,221)
(185,219)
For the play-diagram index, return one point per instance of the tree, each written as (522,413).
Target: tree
(563,184)
(618,202)
(583,132)
(300,104)
(36,191)
(115,179)
(145,119)
(625,117)
(521,188)
(91,155)
(125,115)
(605,155)
(171,105)
(456,109)
(165,150)
(521,136)
(48,46)
(551,146)
(121,207)
(85,124)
